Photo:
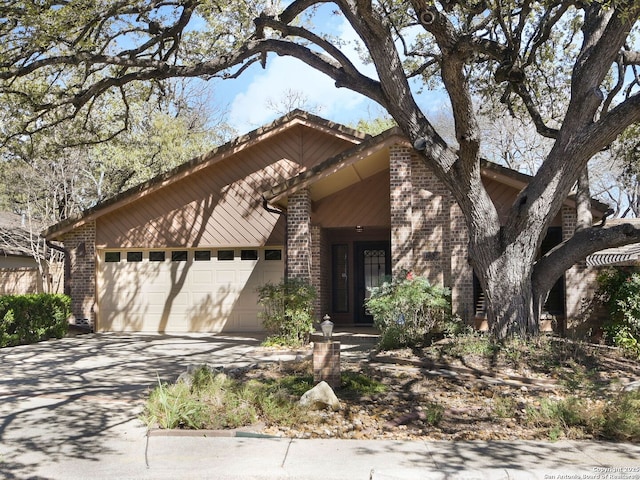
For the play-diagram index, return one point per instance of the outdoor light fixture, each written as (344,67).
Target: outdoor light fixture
(359,228)
(327,328)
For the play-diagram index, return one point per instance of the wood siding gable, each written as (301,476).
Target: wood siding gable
(220,205)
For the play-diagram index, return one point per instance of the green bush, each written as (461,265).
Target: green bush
(619,290)
(406,309)
(287,311)
(31,318)
(621,418)
(216,401)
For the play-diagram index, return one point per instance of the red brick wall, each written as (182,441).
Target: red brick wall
(401,209)
(428,233)
(80,245)
(580,285)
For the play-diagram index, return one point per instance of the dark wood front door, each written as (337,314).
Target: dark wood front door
(372,268)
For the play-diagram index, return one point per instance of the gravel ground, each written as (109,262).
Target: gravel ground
(438,394)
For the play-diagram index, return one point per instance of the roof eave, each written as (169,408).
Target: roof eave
(296,117)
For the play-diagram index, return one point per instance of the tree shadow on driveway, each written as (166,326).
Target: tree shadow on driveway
(79,397)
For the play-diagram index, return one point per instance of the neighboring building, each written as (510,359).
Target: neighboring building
(19,272)
(186,251)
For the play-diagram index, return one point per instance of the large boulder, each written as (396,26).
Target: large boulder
(320,397)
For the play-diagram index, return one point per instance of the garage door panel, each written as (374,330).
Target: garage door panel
(210,296)
(226,276)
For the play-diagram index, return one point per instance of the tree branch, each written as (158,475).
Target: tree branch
(548,269)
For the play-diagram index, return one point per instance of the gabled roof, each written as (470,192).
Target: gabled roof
(294,118)
(15,238)
(354,164)
(367,157)
(359,160)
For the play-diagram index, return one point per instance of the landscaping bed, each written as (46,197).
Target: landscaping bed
(465,388)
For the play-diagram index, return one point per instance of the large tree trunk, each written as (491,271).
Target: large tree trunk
(510,298)
(505,273)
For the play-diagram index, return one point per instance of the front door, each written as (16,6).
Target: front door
(373,266)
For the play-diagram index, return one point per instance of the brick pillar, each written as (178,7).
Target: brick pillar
(326,363)
(461,270)
(299,235)
(430,224)
(401,209)
(81,277)
(316,270)
(579,284)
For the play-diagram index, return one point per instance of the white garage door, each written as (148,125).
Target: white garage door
(184,290)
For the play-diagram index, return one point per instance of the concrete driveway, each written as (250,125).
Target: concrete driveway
(77,399)
(69,408)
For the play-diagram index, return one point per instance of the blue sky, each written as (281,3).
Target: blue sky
(247,97)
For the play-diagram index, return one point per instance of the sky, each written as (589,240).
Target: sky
(246,98)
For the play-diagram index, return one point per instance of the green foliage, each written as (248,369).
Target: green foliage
(621,418)
(376,125)
(173,406)
(287,311)
(214,401)
(357,383)
(406,309)
(504,407)
(433,413)
(618,419)
(26,319)
(619,290)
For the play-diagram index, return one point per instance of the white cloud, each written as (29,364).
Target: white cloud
(284,74)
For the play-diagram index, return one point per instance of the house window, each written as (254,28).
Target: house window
(340,278)
(134,256)
(156,256)
(226,254)
(202,255)
(273,254)
(248,254)
(112,257)
(179,256)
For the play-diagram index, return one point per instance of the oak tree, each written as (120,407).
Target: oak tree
(58,58)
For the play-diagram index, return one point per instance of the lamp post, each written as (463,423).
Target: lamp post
(326,356)
(327,328)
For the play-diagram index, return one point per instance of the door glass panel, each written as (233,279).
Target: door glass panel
(340,278)
(374,269)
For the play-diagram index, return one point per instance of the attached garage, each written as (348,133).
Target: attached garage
(190,290)
(187,250)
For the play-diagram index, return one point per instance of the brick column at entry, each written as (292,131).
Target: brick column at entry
(81,277)
(299,235)
(401,209)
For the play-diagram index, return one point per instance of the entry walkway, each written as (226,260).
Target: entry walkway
(69,408)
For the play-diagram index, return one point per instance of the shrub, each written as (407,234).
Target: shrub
(287,311)
(619,290)
(621,418)
(406,309)
(31,318)
(214,401)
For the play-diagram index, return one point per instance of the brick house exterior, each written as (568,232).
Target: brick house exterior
(185,251)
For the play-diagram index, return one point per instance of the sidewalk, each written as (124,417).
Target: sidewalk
(226,458)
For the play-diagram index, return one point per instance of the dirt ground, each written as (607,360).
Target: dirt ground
(451,392)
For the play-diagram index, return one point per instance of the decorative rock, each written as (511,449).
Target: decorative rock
(632,386)
(320,397)
(187,377)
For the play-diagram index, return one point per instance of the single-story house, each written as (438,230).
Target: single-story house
(302,197)
(19,272)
